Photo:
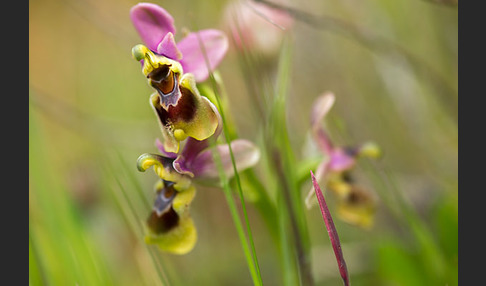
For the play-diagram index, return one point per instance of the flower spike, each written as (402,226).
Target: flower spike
(172,69)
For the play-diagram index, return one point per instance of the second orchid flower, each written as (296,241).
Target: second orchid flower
(355,204)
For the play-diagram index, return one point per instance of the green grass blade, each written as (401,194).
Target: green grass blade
(283,158)
(253,262)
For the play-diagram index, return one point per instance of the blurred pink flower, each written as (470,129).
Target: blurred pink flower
(156,28)
(256,26)
(340,158)
(356,205)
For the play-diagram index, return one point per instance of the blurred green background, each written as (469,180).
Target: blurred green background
(393,69)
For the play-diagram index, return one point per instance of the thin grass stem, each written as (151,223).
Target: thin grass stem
(254,267)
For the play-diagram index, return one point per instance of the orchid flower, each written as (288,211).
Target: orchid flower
(355,204)
(170,225)
(173,69)
(156,28)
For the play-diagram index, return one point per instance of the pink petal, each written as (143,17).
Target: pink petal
(341,161)
(152,23)
(168,48)
(331,231)
(183,163)
(245,152)
(194,59)
(322,140)
(321,107)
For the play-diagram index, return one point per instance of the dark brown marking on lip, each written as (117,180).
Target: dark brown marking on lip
(163,218)
(358,196)
(166,82)
(162,78)
(163,223)
(161,112)
(186,106)
(347,177)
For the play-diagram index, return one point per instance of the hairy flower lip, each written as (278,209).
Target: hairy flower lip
(164,222)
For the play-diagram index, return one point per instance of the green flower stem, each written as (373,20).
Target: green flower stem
(283,159)
(263,202)
(252,266)
(242,199)
(252,263)
(302,256)
(290,269)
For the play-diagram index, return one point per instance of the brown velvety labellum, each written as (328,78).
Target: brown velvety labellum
(186,106)
(164,223)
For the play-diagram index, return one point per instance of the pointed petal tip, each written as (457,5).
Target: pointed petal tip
(332,232)
(152,23)
(322,105)
(167,47)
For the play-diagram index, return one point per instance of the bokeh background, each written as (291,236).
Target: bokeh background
(393,68)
